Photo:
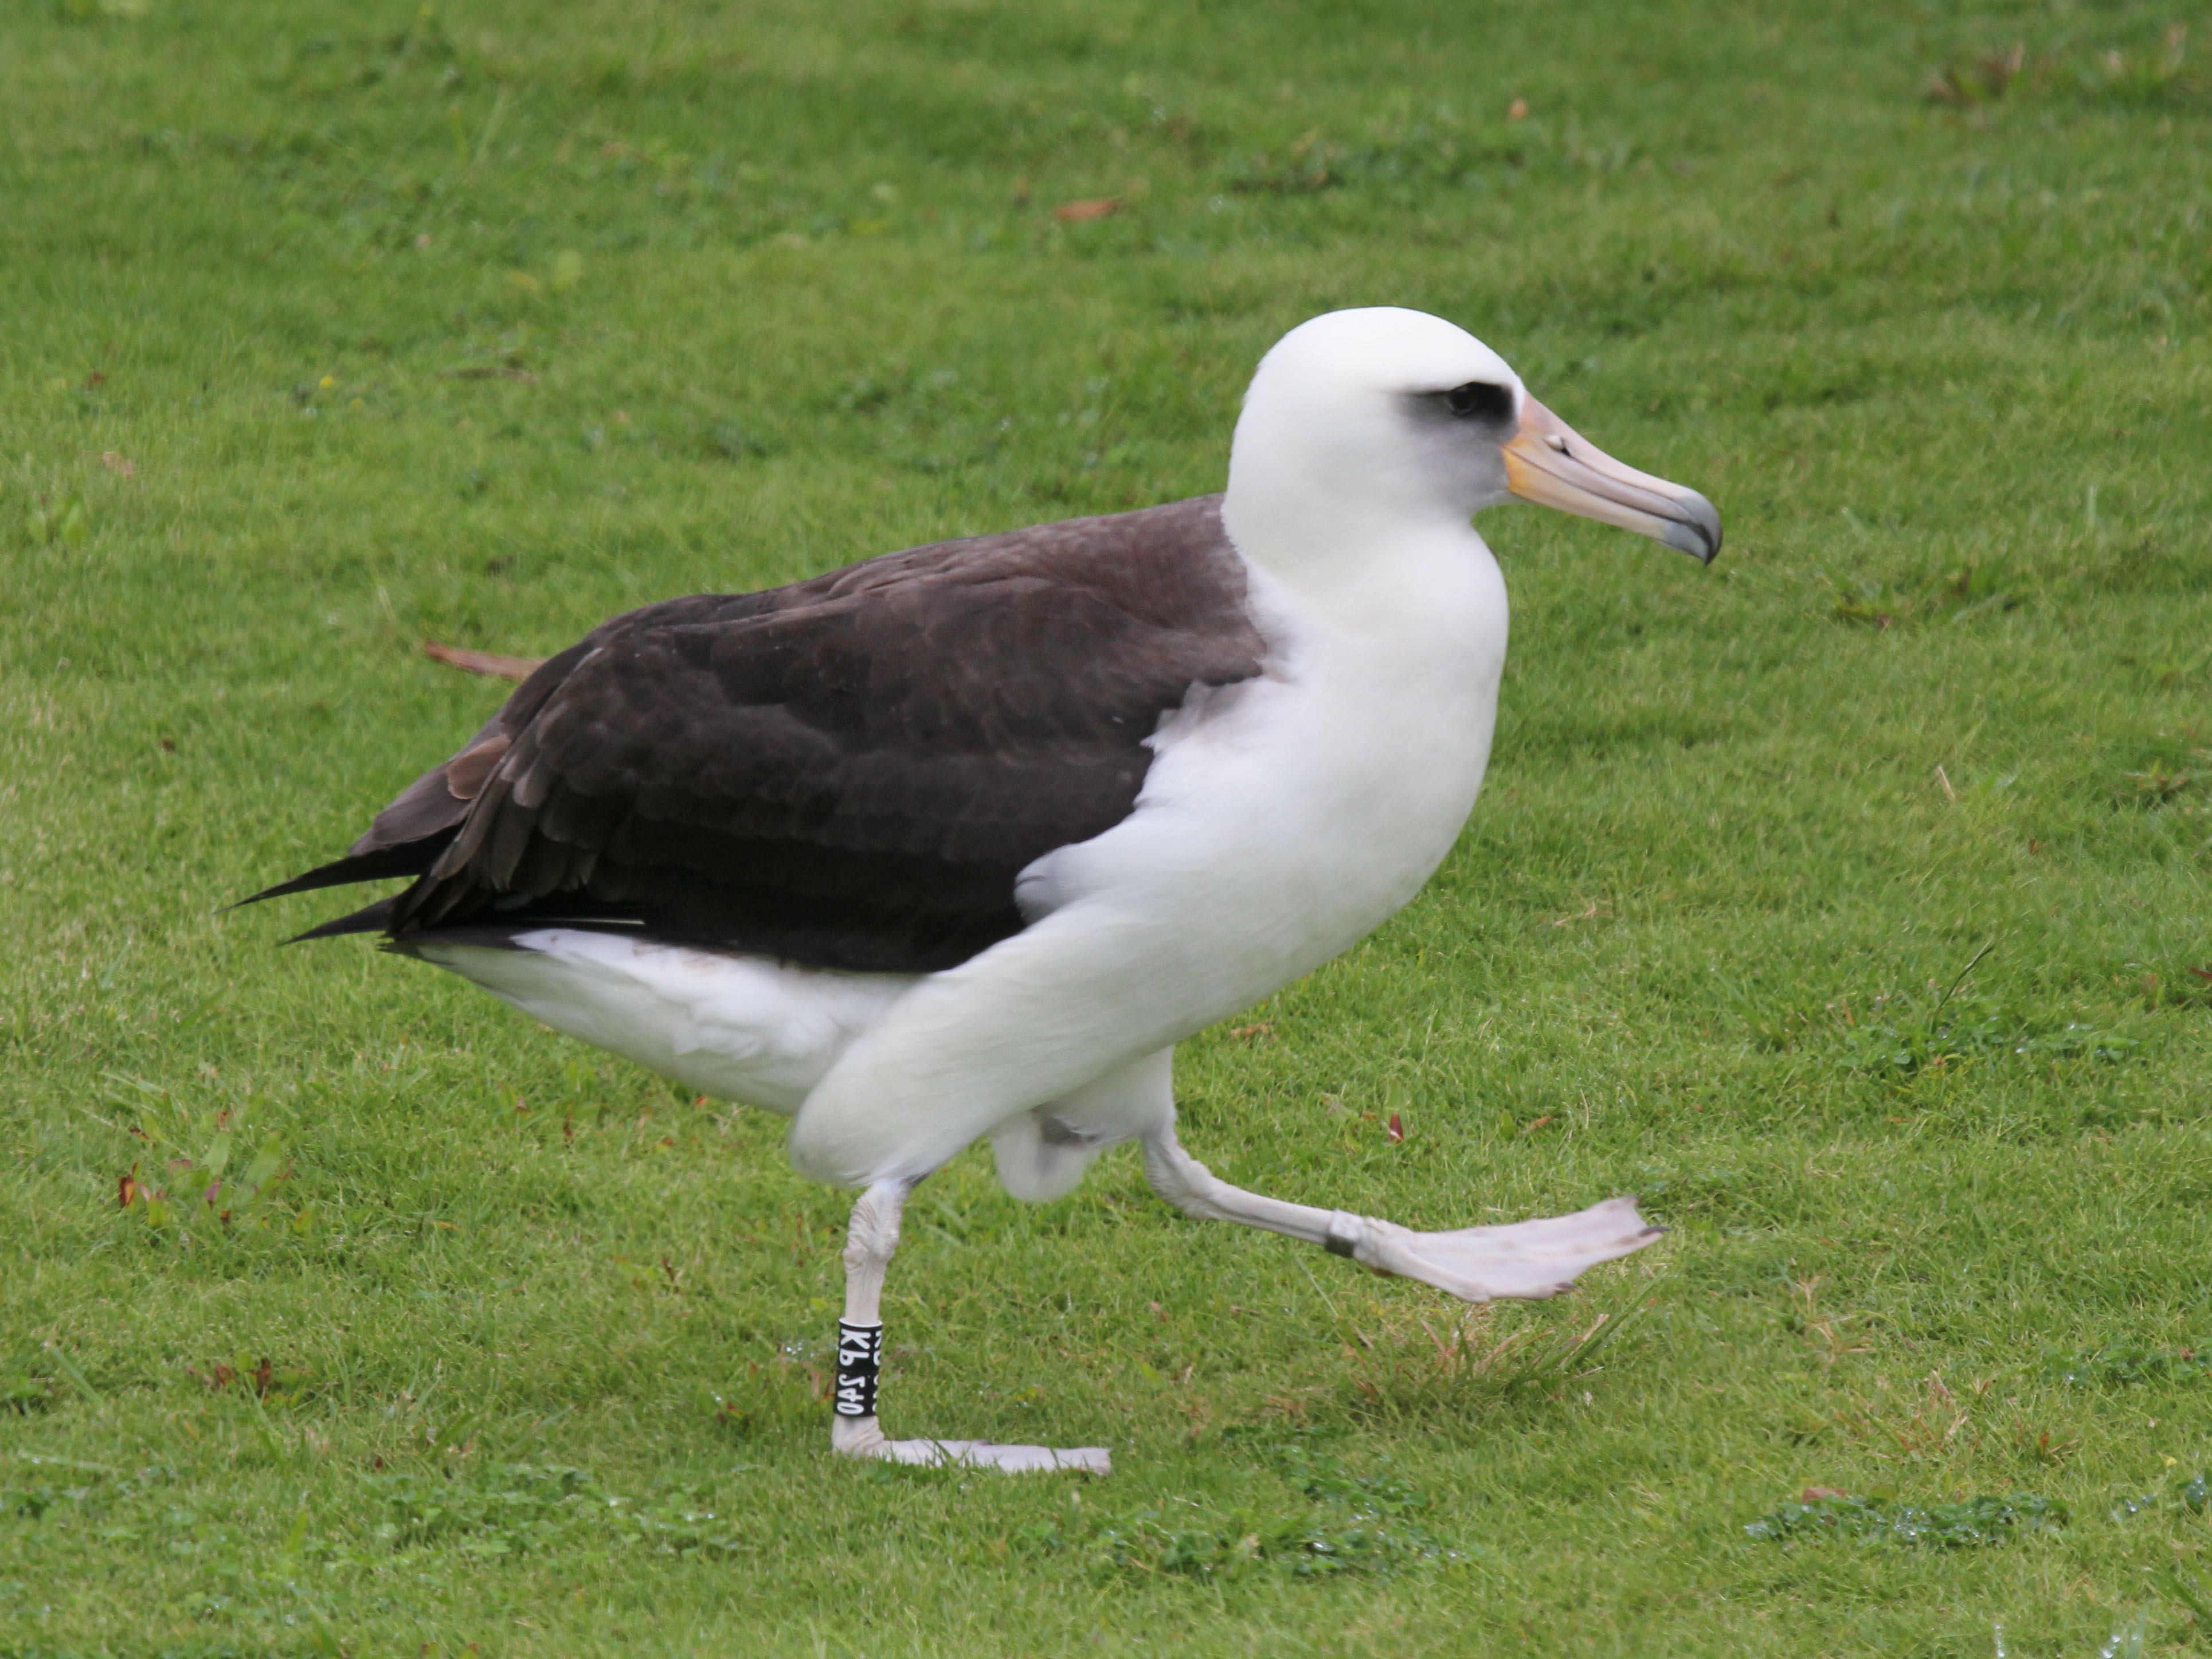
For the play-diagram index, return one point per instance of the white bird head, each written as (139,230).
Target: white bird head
(1384,417)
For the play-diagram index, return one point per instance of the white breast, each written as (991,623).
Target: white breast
(1286,818)
(1283,819)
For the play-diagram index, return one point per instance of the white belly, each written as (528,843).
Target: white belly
(737,1028)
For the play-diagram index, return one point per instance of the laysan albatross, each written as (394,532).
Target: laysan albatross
(962,840)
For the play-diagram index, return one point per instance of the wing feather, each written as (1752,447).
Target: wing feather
(849,772)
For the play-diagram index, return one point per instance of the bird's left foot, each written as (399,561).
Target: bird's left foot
(863,1437)
(1527,1261)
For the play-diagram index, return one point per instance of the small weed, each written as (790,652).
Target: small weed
(2193,1496)
(724,439)
(1350,1524)
(1902,1040)
(179,1195)
(1984,80)
(2157,783)
(1308,165)
(1859,600)
(2148,78)
(1776,1024)
(1441,153)
(2043,1447)
(67,1487)
(2162,76)
(1469,1362)
(270,1384)
(514,1509)
(790,1391)
(68,520)
(1879,1520)
(2125,1365)
(239,1202)
(1975,589)
(1902,1036)
(30,1383)
(1933,1423)
(2191,1595)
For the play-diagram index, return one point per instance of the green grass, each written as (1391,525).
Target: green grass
(331,328)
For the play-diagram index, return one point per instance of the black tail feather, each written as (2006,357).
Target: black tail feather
(412,857)
(370,919)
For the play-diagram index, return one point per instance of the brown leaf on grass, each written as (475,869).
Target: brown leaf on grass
(1397,1130)
(2202,973)
(1096,207)
(1517,110)
(1821,1494)
(1257,1029)
(115,461)
(262,1373)
(482,662)
(127,1188)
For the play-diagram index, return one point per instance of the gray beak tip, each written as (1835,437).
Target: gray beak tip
(1698,532)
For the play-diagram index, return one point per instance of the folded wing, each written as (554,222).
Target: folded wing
(848,772)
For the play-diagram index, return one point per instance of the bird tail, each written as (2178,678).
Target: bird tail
(412,857)
(369,919)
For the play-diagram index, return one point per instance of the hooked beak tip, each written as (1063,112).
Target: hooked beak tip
(1548,462)
(1698,532)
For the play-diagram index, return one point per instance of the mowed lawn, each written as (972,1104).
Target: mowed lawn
(1848,900)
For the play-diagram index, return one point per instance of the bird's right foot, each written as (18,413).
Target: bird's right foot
(1527,1261)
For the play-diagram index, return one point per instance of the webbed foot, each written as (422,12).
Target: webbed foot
(1527,1261)
(863,1437)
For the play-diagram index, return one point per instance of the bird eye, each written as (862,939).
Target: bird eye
(1482,399)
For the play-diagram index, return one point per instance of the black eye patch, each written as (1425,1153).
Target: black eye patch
(1481,400)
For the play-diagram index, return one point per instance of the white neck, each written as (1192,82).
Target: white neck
(1372,556)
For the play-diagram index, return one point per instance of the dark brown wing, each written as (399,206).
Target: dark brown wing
(848,772)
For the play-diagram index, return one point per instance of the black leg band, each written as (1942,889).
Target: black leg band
(859,1363)
(1337,1244)
(1346,1241)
